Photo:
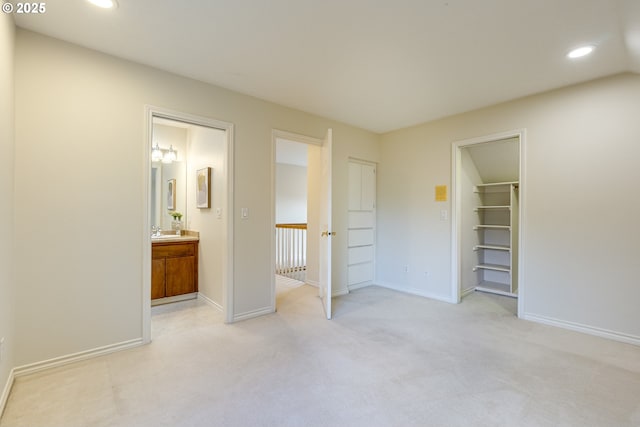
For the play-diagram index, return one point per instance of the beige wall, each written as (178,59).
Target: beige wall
(580,199)
(79,161)
(207,149)
(79,145)
(7,281)
(291,193)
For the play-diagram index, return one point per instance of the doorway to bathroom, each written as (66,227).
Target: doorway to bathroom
(191,190)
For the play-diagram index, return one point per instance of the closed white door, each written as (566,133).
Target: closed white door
(362,224)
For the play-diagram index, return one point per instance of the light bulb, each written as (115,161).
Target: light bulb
(580,52)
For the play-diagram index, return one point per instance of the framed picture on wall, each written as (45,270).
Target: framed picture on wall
(203,190)
(171,194)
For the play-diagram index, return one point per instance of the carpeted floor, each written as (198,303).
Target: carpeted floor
(386,359)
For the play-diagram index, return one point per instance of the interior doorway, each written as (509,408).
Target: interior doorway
(291,209)
(487,212)
(301,247)
(208,146)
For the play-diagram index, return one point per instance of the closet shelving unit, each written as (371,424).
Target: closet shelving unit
(497,228)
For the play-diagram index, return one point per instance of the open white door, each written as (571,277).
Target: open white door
(325,226)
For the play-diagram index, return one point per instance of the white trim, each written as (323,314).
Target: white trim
(312,283)
(339,292)
(228,207)
(254,313)
(146,226)
(295,137)
(456,221)
(414,291)
(585,329)
(32,368)
(522,211)
(467,292)
(176,298)
(359,285)
(7,389)
(210,302)
(228,274)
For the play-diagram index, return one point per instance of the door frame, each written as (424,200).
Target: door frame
(295,137)
(227,270)
(456,218)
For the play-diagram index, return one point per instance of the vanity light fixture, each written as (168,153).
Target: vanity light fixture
(156,153)
(170,156)
(580,52)
(105,4)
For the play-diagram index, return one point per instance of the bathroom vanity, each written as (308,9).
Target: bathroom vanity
(174,266)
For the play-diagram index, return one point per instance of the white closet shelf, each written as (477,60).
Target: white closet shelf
(493,247)
(492,227)
(495,288)
(494,267)
(497,184)
(492,207)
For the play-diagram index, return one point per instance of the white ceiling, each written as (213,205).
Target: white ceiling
(377,64)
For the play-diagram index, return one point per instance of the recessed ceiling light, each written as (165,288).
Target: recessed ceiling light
(105,4)
(580,52)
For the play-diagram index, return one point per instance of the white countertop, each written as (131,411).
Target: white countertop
(173,238)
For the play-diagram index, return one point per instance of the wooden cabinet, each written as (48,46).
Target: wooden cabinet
(174,268)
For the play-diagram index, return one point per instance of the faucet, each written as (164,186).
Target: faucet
(156,231)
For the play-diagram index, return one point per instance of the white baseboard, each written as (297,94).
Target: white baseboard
(75,357)
(339,292)
(586,329)
(210,302)
(254,313)
(467,292)
(5,392)
(312,283)
(359,286)
(414,291)
(176,298)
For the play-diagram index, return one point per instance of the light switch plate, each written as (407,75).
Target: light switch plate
(244,213)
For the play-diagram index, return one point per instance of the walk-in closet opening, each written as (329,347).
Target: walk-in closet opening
(487,213)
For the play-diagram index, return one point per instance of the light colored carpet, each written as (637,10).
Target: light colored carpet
(283,284)
(386,359)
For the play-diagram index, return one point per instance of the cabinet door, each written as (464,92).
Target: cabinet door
(157,278)
(180,276)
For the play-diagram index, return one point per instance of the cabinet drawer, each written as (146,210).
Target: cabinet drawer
(173,250)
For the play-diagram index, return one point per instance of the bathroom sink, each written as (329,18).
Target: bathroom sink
(165,236)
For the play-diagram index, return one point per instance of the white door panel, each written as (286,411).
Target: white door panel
(325,226)
(361,219)
(360,254)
